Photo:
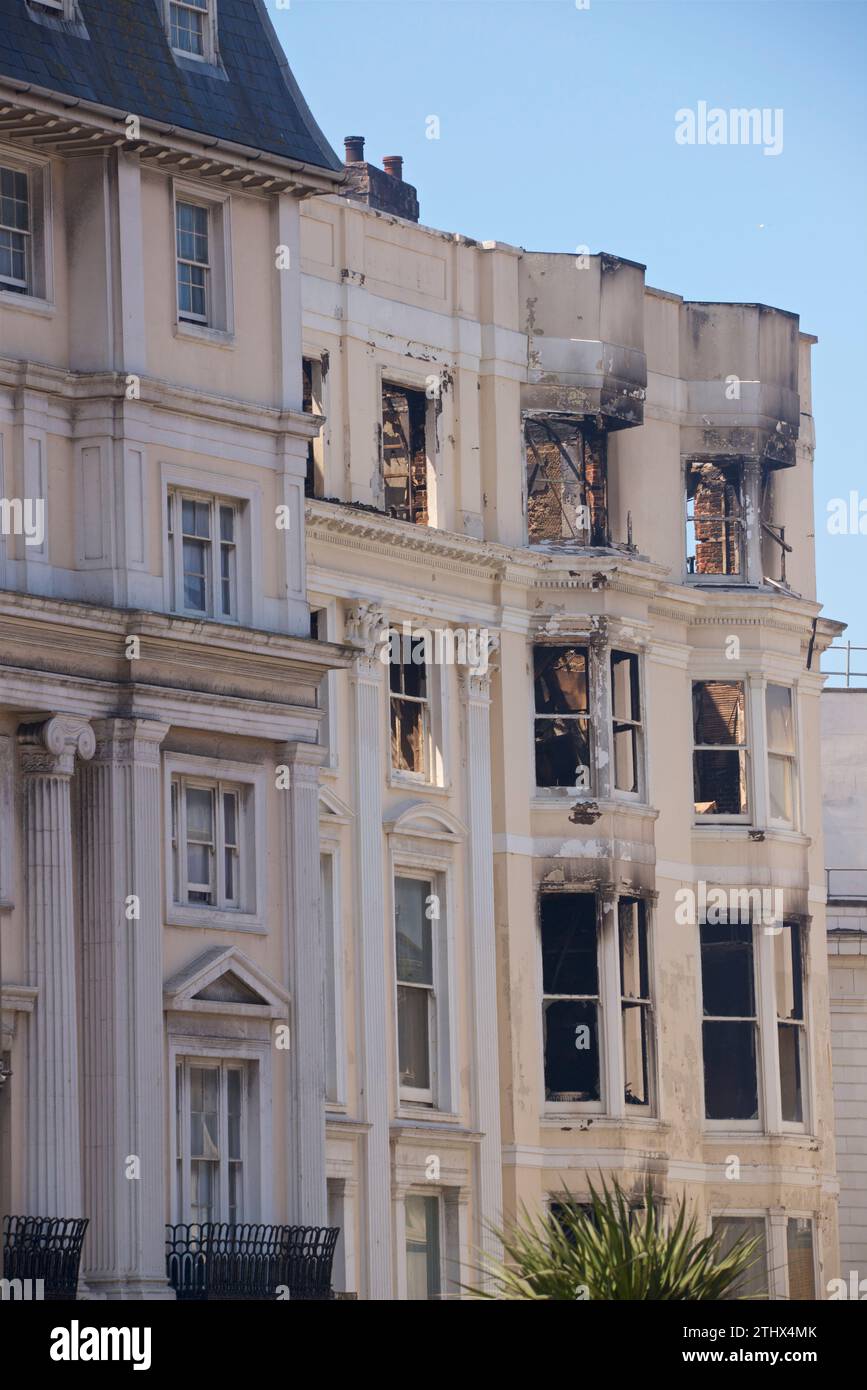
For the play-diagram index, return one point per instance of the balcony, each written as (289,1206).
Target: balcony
(43,1251)
(214,1261)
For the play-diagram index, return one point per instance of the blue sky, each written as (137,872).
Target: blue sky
(557,130)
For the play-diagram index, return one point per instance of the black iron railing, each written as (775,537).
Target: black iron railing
(44,1248)
(214,1260)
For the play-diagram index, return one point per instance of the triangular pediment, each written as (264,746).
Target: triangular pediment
(332,810)
(225,980)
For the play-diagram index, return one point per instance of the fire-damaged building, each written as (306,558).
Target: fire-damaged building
(616,821)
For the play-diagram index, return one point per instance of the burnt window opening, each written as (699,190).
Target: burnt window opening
(567,482)
(730,1022)
(720,753)
(635,1004)
(715,519)
(404,453)
(626,721)
(562,724)
(774,545)
(311,404)
(410,705)
(570,1002)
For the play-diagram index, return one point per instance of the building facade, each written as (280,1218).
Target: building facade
(844,750)
(409,766)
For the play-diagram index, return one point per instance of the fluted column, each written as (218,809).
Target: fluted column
(365,624)
(307,1195)
(475,682)
(122,1015)
(47,754)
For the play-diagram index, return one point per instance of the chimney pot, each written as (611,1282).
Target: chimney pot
(354,147)
(393,165)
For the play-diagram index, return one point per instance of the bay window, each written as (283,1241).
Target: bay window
(720,750)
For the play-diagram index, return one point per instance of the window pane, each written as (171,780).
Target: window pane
(791,1040)
(407,735)
(230,820)
(14,201)
(569,951)
(200,814)
(728,983)
(788,972)
(634,972)
(404,453)
(422,1248)
(754,1283)
(227,523)
(720,783)
(408,676)
(625,758)
(781,734)
(624,685)
(233,1101)
(413,936)
(413,1036)
(560,680)
(781,788)
(566,481)
(730,1076)
(204,1112)
(571,1039)
(714,511)
(719,712)
(203,1191)
(635,1054)
(799,1249)
(562,753)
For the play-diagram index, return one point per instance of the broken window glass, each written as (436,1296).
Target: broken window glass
(567,488)
(634,1000)
(791,1032)
(714,518)
(404,453)
(562,726)
(626,710)
(410,712)
(730,1024)
(781,753)
(720,766)
(570,1005)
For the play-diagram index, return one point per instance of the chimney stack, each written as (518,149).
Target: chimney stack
(354,147)
(382,189)
(393,165)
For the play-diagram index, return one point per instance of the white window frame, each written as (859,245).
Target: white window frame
(250,782)
(768,1078)
(639,725)
(792,758)
(219,329)
(413,860)
(414,1095)
(214,553)
(442,1237)
(38,295)
(63,9)
(255,1054)
(335,1070)
(183,1156)
(747,748)
(436,729)
(220,845)
(209,30)
(247,499)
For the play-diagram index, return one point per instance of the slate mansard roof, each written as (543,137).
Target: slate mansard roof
(119,57)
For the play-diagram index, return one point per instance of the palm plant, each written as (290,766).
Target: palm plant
(613,1251)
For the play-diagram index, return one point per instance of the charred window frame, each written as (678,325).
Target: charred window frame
(567,481)
(405,453)
(730,1023)
(789,991)
(720,751)
(636,1007)
(410,711)
(572,1023)
(782,755)
(715,515)
(627,728)
(312,404)
(562,728)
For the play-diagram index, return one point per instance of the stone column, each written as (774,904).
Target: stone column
(123,1032)
(475,682)
(364,625)
(298,777)
(47,755)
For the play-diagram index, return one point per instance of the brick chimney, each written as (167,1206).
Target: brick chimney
(383,189)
